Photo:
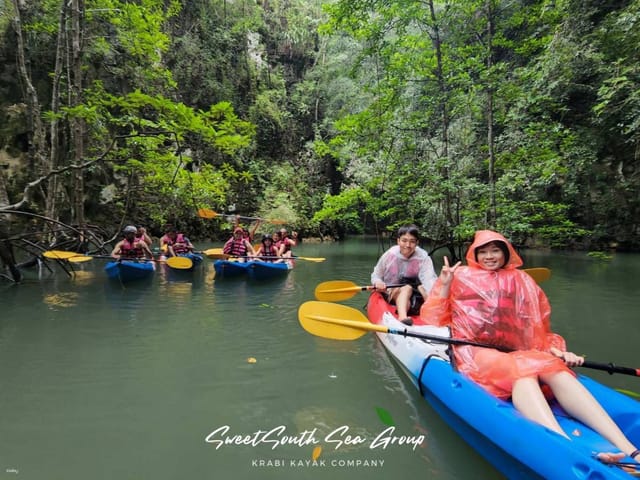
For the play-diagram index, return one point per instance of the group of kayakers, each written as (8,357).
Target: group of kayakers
(275,247)
(490,300)
(136,243)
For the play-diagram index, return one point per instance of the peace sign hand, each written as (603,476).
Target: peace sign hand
(447,272)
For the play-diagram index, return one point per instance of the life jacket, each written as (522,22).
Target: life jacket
(287,242)
(267,254)
(129,250)
(498,313)
(236,247)
(179,244)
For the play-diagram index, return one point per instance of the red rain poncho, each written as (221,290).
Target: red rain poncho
(505,308)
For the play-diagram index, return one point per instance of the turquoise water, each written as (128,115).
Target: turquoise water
(105,381)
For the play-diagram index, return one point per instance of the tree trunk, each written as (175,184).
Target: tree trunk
(77,126)
(444,112)
(492,214)
(51,206)
(37,144)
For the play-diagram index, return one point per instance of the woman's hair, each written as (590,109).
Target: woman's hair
(498,243)
(410,229)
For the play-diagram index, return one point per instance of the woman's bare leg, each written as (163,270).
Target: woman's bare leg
(580,404)
(529,400)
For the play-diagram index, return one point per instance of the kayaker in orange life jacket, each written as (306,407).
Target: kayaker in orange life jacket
(238,245)
(129,247)
(492,301)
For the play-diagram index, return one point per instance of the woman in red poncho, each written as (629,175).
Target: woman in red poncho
(490,301)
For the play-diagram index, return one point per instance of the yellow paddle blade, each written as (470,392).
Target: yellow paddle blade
(332,320)
(539,274)
(206,213)
(311,259)
(59,254)
(80,258)
(336,290)
(216,254)
(181,263)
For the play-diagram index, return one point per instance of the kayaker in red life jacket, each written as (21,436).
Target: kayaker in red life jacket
(491,301)
(405,263)
(238,245)
(267,251)
(286,243)
(129,247)
(248,234)
(175,243)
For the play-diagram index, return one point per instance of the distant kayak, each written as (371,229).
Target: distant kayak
(254,269)
(259,270)
(130,270)
(230,268)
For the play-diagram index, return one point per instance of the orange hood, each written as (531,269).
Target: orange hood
(483,237)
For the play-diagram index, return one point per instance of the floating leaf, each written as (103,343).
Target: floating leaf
(316,453)
(384,416)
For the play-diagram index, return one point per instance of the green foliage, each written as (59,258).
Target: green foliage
(151,131)
(342,209)
(359,117)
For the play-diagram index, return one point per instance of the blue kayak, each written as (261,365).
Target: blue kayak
(196,260)
(230,268)
(130,270)
(259,270)
(518,447)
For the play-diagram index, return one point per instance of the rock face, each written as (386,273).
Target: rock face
(14,138)
(14,145)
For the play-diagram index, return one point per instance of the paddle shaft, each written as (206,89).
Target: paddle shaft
(208,213)
(358,288)
(611,368)
(179,262)
(225,256)
(404,332)
(363,324)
